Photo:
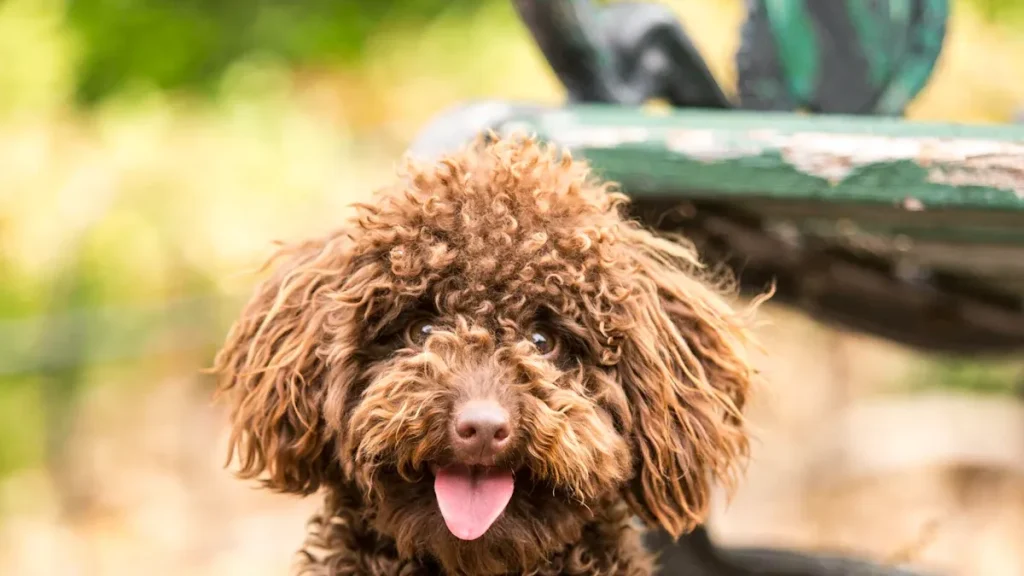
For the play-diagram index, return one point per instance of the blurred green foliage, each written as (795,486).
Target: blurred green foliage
(172,44)
(190,43)
(1000,10)
(971,376)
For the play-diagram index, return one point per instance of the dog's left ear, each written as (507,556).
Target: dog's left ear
(685,370)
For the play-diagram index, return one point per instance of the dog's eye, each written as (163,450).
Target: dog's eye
(544,342)
(418,332)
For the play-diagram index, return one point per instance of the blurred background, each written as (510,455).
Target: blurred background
(152,150)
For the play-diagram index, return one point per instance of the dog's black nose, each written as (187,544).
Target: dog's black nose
(482,430)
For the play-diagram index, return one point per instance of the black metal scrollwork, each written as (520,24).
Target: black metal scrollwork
(622,53)
(842,56)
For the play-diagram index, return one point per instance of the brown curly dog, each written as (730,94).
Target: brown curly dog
(490,370)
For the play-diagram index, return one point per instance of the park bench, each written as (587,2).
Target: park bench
(810,181)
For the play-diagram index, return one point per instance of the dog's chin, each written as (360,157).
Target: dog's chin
(538,520)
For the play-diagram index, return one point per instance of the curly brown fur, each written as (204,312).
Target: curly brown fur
(340,542)
(636,404)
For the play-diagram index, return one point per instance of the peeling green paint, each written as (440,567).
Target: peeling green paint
(867,160)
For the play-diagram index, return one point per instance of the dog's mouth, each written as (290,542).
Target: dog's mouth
(472,498)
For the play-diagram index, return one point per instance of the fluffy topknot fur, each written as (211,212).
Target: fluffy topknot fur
(637,410)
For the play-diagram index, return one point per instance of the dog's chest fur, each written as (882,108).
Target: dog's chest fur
(340,543)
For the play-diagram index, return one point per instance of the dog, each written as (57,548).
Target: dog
(490,370)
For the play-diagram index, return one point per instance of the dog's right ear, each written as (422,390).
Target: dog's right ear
(273,369)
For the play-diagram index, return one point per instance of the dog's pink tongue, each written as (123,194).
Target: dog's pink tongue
(471,501)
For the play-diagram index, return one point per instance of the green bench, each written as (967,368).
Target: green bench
(910,231)
(811,181)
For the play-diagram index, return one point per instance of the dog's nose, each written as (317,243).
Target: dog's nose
(482,430)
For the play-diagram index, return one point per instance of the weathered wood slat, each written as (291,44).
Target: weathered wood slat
(917,166)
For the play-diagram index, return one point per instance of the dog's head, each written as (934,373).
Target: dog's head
(490,353)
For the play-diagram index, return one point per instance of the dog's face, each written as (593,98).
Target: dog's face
(490,353)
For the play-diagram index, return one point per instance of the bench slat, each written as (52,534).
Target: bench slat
(690,153)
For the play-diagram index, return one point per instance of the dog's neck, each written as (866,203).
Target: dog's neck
(340,542)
